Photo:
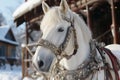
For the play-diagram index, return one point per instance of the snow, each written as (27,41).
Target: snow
(8,74)
(25,7)
(27,78)
(16,74)
(8,7)
(3,31)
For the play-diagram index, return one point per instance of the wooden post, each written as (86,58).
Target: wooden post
(114,25)
(23,63)
(26,52)
(88,16)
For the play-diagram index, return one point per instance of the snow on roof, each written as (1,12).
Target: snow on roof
(3,31)
(25,7)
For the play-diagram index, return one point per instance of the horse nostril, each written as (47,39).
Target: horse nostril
(40,63)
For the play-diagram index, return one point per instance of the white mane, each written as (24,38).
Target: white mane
(86,33)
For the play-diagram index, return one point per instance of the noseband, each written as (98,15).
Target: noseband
(60,51)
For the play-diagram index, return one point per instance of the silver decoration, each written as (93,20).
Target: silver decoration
(89,66)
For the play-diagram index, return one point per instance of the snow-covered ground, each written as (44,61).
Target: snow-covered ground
(15,74)
(8,74)
(7,7)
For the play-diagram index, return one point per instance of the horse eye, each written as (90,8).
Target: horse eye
(60,29)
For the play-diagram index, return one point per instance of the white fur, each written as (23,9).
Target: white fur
(53,19)
(49,25)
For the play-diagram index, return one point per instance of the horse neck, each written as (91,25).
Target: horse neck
(83,39)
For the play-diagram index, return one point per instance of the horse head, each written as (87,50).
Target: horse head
(64,34)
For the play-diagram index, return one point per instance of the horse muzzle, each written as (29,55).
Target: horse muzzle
(43,61)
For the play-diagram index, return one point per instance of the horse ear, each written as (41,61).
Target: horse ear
(45,7)
(64,6)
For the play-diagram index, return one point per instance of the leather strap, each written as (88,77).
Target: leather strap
(114,62)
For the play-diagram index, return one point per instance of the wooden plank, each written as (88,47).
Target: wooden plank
(114,25)
(23,63)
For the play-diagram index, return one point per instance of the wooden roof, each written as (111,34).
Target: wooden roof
(36,13)
(7,35)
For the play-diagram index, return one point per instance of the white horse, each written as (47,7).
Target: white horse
(57,24)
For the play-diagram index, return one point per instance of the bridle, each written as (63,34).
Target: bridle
(60,51)
(89,66)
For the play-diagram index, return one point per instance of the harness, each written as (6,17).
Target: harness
(87,68)
(114,61)
(90,66)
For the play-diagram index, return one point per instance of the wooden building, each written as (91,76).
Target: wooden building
(8,42)
(102,16)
